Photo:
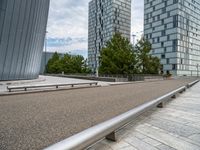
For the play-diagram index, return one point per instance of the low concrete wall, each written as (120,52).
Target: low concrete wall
(121,79)
(117,78)
(85,77)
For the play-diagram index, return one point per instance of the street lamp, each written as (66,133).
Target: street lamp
(134,36)
(45,54)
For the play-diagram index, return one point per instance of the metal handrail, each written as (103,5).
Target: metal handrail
(192,83)
(48,85)
(92,135)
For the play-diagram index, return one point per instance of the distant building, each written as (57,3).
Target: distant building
(173,28)
(22,33)
(106,17)
(45,58)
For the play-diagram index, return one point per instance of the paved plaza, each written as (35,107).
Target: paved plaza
(46,80)
(37,120)
(174,127)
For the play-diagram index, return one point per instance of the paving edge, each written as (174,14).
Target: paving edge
(47,90)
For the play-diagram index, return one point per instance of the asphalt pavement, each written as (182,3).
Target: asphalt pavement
(35,121)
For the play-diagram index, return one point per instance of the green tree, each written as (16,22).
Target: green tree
(117,57)
(69,64)
(85,68)
(66,63)
(78,62)
(154,65)
(53,65)
(146,63)
(73,64)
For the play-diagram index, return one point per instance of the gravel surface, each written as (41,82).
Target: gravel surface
(34,121)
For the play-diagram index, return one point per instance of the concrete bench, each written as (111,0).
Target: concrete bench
(11,88)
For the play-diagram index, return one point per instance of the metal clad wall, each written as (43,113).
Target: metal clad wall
(22,32)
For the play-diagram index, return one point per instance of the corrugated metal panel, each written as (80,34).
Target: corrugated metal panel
(22,33)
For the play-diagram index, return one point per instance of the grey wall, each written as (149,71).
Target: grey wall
(22,32)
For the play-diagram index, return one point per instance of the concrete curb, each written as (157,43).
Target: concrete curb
(22,81)
(46,90)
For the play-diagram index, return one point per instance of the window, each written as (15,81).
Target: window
(162,21)
(168,37)
(181,37)
(165,49)
(158,17)
(175,1)
(167,61)
(174,66)
(175,21)
(163,33)
(162,44)
(175,44)
(168,14)
(163,10)
(158,40)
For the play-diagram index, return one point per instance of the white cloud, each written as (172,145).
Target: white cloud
(68,19)
(137,20)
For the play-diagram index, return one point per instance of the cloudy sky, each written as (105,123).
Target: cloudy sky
(68,25)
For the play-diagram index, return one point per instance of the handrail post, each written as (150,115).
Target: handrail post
(160,105)
(174,96)
(111,137)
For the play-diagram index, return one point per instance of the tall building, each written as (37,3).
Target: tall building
(106,17)
(173,28)
(22,32)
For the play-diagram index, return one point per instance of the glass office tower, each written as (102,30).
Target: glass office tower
(106,17)
(173,28)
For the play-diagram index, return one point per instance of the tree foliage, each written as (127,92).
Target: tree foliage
(119,57)
(147,64)
(53,65)
(68,64)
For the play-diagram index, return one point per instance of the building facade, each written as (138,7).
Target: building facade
(106,17)
(22,32)
(173,28)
